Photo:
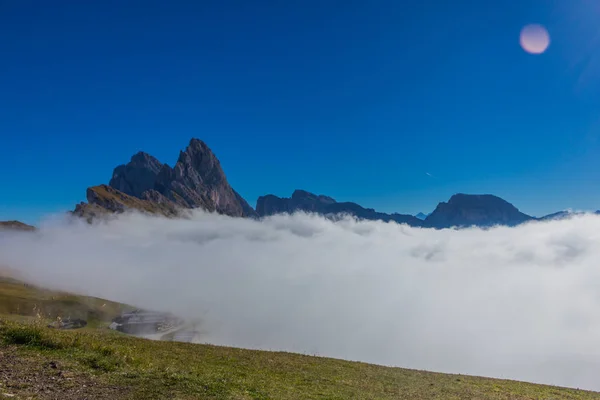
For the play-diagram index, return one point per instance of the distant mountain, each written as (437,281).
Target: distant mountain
(421,216)
(302,200)
(483,210)
(16,225)
(565,214)
(196,181)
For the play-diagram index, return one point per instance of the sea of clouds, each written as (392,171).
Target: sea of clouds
(520,303)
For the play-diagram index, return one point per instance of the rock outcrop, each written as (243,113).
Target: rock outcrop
(302,200)
(145,184)
(484,210)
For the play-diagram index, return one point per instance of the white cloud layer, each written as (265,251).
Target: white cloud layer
(520,303)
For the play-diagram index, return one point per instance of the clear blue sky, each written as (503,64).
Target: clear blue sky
(360,100)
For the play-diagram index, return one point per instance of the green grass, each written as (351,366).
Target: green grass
(151,370)
(103,199)
(114,365)
(18,300)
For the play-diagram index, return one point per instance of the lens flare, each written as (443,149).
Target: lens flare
(534,39)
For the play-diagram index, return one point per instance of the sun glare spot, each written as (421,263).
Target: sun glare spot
(534,39)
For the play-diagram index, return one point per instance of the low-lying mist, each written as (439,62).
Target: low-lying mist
(520,303)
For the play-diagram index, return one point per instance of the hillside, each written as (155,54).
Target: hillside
(17,225)
(95,362)
(21,299)
(104,199)
(101,364)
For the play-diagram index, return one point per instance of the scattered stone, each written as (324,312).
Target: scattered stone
(31,378)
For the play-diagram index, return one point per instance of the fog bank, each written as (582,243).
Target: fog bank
(520,303)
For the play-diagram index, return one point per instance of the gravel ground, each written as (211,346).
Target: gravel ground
(26,377)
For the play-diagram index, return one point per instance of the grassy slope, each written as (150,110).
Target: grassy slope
(144,369)
(16,225)
(113,365)
(18,298)
(103,198)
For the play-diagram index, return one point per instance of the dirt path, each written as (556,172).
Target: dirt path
(24,377)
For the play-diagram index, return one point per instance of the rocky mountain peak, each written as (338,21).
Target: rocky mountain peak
(137,176)
(475,209)
(198,165)
(196,153)
(144,159)
(196,181)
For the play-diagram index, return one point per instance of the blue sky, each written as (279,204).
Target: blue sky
(393,104)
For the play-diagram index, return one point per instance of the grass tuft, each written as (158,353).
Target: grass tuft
(28,335)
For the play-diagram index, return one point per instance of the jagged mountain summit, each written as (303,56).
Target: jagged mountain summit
(484,210)
(302,200)
(196,181)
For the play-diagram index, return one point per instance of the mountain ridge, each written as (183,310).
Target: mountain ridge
(197,180)
(302,200)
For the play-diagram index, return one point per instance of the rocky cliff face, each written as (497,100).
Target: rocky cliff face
(196,181)
(484,210)
(138,176)
(308,202)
